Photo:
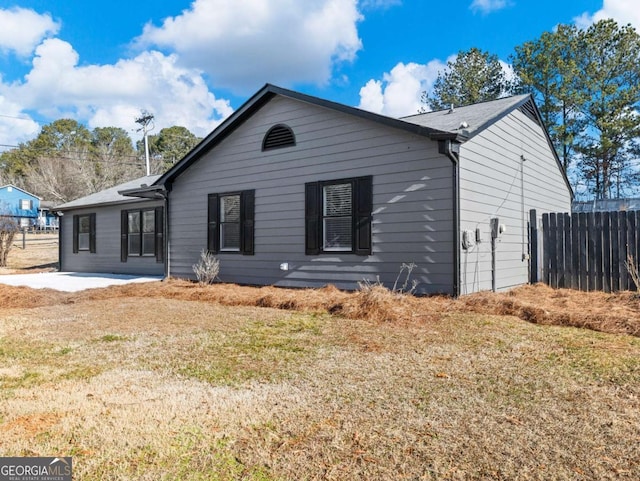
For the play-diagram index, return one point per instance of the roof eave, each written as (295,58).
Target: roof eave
(453,136)
(147,192)
(97,204)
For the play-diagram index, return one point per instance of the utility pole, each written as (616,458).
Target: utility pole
(145,120)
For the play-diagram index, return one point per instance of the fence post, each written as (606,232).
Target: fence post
(598,253)
(615,252)
(545,251)
(533,247)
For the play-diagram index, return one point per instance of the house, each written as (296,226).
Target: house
(112,233)
(47,217)
(293,190)
(606,205)
(19,205)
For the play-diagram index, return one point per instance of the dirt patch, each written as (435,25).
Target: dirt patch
(31,425)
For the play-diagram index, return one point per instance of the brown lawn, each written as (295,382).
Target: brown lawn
(172,380)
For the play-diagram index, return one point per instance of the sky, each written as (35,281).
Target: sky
(193,62)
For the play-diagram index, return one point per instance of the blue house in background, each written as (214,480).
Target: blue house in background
(20,205)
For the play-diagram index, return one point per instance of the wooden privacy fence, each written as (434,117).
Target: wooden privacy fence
(587,251)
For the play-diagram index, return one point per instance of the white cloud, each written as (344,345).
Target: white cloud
(21,30)
(488,6)
(242,44)
(15,126)
(622,11)
(399,92)
(113,95)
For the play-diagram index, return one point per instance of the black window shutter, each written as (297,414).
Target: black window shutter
(312,217)
(92,233)
(75,234)
(124,232)
(362,215)
(213,211)
(247,219)
(159,234)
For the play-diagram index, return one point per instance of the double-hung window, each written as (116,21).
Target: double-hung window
(142,233)
(84,233)
(338,216)
(230,225)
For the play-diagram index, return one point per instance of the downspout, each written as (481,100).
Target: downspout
(452,150)
(60,235)
(167,242)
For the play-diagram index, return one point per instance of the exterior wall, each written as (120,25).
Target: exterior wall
(412,200)
(496,182)
(10,198)
(107,256)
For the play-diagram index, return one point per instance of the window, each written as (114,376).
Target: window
(338,216)
(26,204)
(142,233)
(84,233)
(231,222)
(277,137)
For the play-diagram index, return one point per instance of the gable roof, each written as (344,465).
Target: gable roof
(472,119)
(268,92)
(21,190)
(111,195)
(457,125)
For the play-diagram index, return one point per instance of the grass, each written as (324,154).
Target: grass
(203,391)
(173,380)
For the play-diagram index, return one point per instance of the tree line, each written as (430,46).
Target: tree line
(586,83)
(67,160)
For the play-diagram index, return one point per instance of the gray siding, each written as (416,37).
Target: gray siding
(107,256)
(412,197)
(492,185)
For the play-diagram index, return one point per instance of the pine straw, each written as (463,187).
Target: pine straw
(612,313)
(617,313)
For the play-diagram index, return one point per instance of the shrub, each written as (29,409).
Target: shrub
(207,268)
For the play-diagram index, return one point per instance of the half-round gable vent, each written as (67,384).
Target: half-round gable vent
(278,136)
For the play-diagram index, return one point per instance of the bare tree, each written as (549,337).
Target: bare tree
(8,229)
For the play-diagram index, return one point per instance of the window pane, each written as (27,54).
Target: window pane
(134,245)
(84,224)
(149,221)
(134,222)
(337,200)
(337,234)
(83,242)
(230,208)
(148,244)
(230,237)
